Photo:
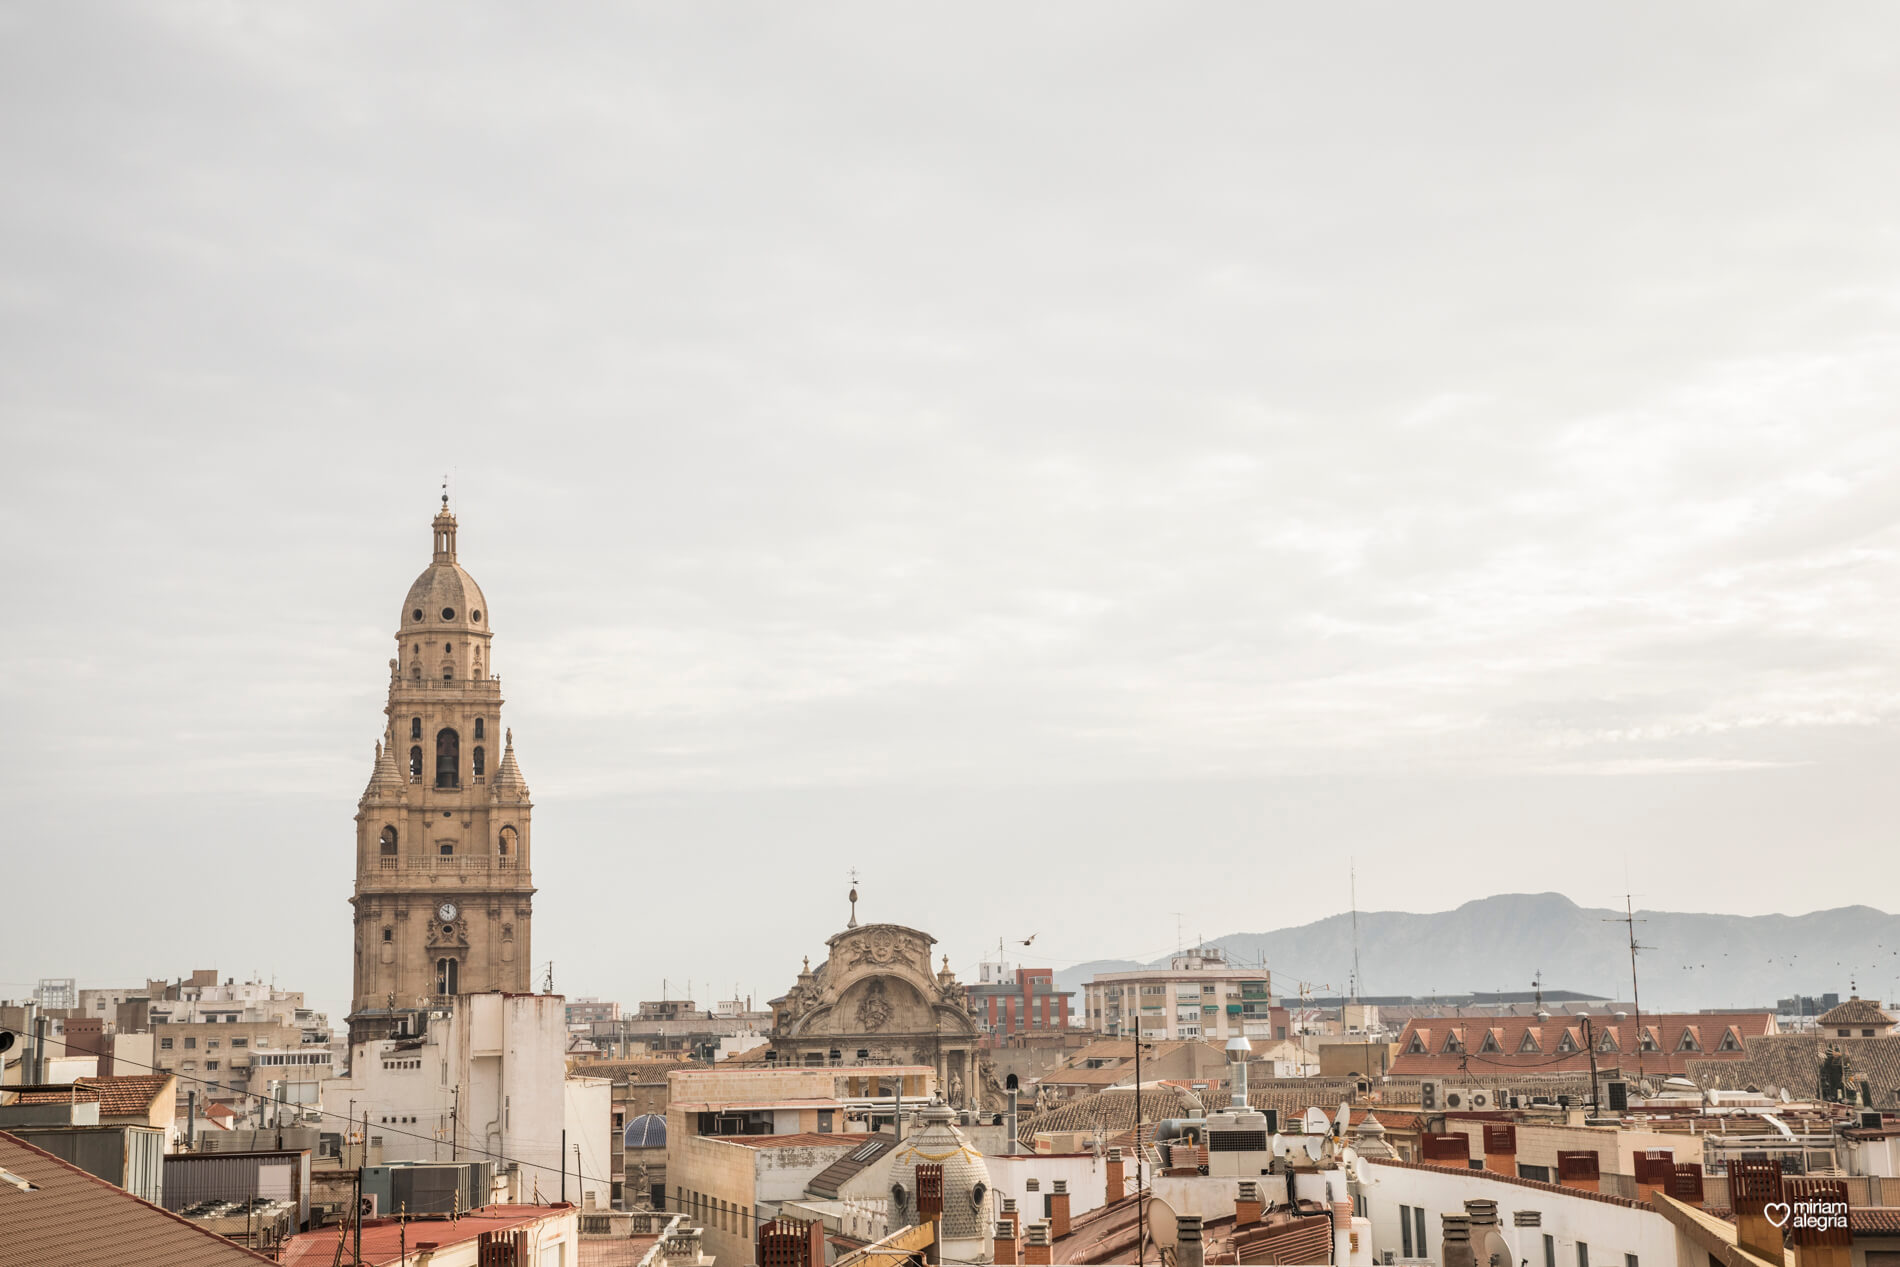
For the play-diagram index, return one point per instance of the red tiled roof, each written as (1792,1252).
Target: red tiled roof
(1873,1220)
(1529,1046)
(118,1097)
(71,1217)
(385,1239)
(1491,1176)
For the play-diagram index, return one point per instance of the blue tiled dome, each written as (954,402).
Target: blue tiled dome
(647,1131)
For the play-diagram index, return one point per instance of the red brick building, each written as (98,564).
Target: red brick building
(1028,1003)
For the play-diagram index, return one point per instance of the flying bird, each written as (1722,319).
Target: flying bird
(1031,938)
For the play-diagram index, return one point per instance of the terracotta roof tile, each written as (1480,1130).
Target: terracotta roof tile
(385,1239)
(1856,1011)
(70,1217)
(1874,1220)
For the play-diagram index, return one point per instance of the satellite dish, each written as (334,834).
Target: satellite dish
(1162,1224)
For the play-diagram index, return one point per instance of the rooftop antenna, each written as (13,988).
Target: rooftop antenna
(1636,995)
(1180,943)
(854,899)
(1353,879)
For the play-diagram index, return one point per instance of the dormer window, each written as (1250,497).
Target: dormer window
(1529,1042)
(1567,1045)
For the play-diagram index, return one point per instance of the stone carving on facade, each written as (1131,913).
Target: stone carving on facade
(874,1009)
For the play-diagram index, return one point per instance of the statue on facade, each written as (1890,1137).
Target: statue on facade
(956,1090)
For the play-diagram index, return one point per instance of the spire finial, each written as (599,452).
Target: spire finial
(854,899)
(445,490)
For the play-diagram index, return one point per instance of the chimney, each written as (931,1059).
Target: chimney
(1753,1186)
(1500,1148)
(1005,1242)
(1037,1251)
(1686,1183)
(1059,1210)
(1820,1239)
(1436,1149)
(1580,1171)
(1188,1250)
(1455,1232)
(1116,1180)
(1655,1170)
(1248,1206)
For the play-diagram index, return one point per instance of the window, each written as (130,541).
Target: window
(1405,1232)
(480,732)
(1540,1173)
(240,1042)
(505,849)
(389,934)
(415,727)
(1418,1230)
(388,843)
(1568,1043)
(447,976)
(1550,1250)
(448,758)
(1529,1042)
(1414,1048)
(415,756)
(211,1064)
(164,1044)
(1629,1260)
(1490,1043)
(191,1044)
(212,1044)
(445,849)
(480,761)
(1867,1033)
(448,673)
(1583,1254)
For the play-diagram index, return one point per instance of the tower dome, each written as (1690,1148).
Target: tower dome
(967,1212)
(445,598)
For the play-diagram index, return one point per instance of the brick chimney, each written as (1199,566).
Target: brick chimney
(1445,1150)
(1655,1171)
(1500,1148)
(1059,1210)
(1037,1251)
(1580,1171)
(1188,1250)
(1248,1206)
(1820,1239)
(1015,1219)
(1753,1186)
(1005,1241)
(1686,1183)
(1117,1181)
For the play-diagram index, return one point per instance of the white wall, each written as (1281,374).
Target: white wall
(1611,1229)
(1085,1173)
(589,1116)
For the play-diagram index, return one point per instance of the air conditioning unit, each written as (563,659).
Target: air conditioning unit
(1388,1257)
(1484,1100)
(1428,1096)
(366,1205)
(1455,1098)
(1619,1097)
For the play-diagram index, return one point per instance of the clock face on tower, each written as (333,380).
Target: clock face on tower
(446,910)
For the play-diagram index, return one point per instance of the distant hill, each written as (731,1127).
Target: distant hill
(1691,961)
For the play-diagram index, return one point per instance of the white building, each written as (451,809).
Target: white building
(1198,995)
(489,1079)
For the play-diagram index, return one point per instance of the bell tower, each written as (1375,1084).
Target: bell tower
(444,892)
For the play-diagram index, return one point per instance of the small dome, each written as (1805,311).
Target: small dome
(448,598)
(646,1131)
(966,1176)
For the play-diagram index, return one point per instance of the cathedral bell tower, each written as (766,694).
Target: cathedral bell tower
(444,892)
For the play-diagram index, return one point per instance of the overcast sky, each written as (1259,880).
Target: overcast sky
(1095,469)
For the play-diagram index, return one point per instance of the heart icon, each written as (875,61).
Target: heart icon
(1777,1212)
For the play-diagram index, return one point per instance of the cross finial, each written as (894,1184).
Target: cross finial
(445,491)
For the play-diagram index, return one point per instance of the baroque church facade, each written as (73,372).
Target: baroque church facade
(444,848)
(876,1000)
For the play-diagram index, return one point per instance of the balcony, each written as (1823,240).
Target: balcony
(460,864)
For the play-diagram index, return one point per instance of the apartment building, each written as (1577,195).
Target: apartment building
(1198,995)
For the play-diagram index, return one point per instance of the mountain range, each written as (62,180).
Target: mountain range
(1687,961)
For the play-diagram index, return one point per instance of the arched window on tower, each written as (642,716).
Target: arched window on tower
(480,763)
(415,728)
(447,976)
(507,849)
(416,672)
(448,673)
(388,843)
(480,733)
(415,764)
(448,758)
